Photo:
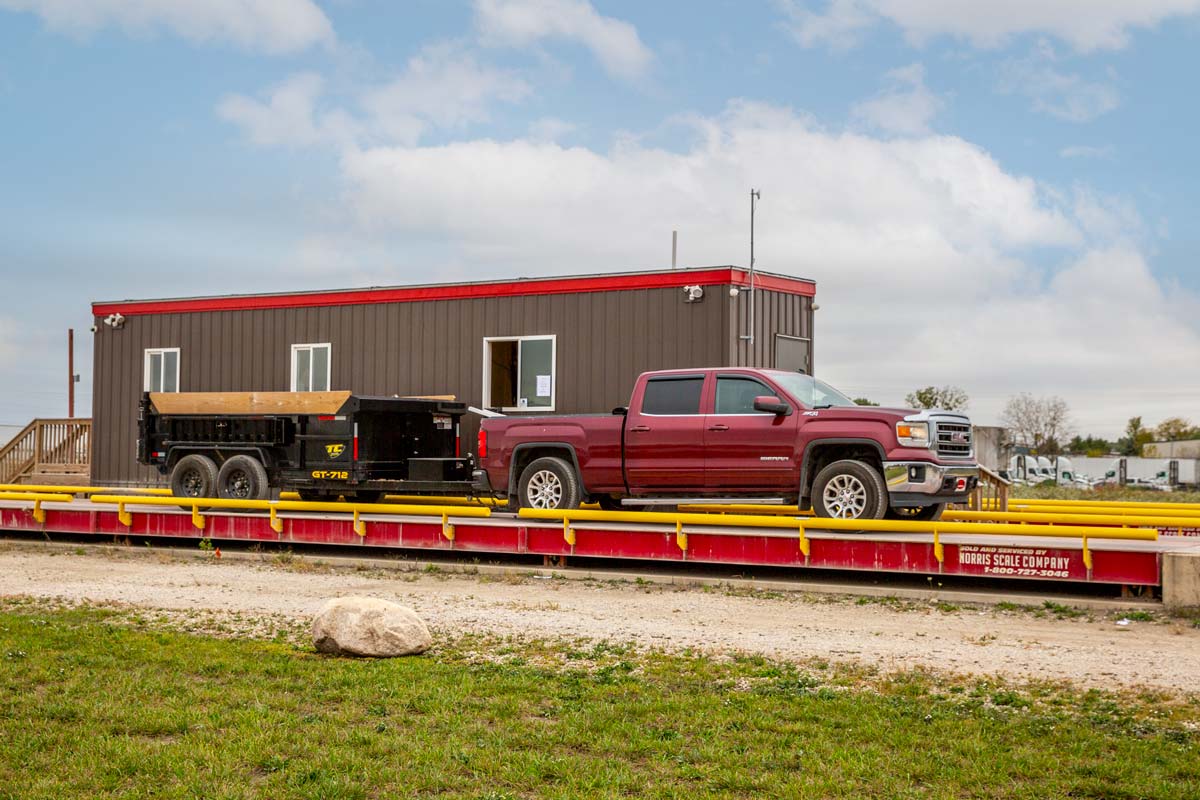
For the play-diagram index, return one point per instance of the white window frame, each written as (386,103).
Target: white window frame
(487,370)
(328,363)
(160,351)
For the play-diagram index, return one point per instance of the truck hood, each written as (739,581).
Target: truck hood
(888,415)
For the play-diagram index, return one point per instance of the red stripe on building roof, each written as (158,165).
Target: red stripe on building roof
(412,294)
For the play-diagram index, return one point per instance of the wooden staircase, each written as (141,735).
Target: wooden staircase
(49,451)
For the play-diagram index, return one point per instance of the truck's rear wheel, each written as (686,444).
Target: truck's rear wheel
(242,478)
(194,476)
(918,513)
(850,489)
(549,483)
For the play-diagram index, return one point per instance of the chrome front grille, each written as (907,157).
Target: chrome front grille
(954,439)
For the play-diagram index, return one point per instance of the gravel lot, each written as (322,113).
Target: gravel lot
(1092,650)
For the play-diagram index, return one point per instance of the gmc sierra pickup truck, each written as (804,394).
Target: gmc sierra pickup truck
(695,435)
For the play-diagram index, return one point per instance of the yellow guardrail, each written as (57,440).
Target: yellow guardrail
(1049,501)
(801,525)
(1139,519)
(76,490)
(1107,510)
(37,498)
(199,505)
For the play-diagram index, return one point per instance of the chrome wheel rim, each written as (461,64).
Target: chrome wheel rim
(845,497)
(544,490)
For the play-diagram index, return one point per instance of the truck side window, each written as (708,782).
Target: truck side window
(673,395)
(736,395)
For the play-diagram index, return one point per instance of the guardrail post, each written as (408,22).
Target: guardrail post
(123,516)
(276,522)
(39,516)
(804,546)
(447,528)
(939,552)
(568,531)
(197,517)
(1087,557)
(681,538)
(360,527)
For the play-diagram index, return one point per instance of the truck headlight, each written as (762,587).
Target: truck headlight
(913,434)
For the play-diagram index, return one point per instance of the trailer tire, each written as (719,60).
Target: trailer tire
(850,489)
(242,478)
(549,483)
(194,476)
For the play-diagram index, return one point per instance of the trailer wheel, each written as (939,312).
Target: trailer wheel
(549,482)
(917,513)
(194,476)
(242,478)
(850,489)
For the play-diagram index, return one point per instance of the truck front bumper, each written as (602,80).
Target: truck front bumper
(929,481)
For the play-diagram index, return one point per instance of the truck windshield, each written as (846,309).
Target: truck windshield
(810,391)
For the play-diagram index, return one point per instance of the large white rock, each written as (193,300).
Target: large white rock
(368,626)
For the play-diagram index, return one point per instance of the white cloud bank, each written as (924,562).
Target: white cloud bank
(906,106)
(1086,25)
(934,264)
(520,23)
(271,26)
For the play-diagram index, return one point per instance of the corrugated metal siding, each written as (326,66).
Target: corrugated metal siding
(776,312)
(605,339)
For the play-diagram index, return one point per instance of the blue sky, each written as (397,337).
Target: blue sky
(1013,191)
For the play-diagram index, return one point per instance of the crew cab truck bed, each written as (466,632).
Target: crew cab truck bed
(735,433)
(251,445)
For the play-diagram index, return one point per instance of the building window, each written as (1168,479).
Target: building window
(519,373)
(160,372)
(311,367)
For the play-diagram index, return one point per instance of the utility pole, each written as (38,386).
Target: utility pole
(71,373)
(755,196)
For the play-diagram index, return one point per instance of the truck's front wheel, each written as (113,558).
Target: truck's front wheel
(850,489)
(550,483)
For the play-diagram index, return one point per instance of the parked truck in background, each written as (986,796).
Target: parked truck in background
(695,435)
(324,445)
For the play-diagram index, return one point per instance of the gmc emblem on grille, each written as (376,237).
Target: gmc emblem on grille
(958,437)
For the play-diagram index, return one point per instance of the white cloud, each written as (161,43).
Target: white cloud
(906,106)
(1066,96)
(926,236)
(439,88)
(550,129)
(520,23)
(1085,25)
(1087,151)
(442,87)
(272,26)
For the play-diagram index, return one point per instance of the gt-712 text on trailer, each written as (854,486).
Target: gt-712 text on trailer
(251,445)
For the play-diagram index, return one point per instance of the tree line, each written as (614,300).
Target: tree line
(1043,423)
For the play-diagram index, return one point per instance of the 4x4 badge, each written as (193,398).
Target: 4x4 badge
(335,450)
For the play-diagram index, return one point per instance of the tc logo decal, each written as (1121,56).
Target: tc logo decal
(335,450)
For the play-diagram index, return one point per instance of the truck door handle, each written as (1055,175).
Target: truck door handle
(719,428)
(640,429)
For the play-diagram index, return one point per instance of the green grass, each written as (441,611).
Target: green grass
(98,703)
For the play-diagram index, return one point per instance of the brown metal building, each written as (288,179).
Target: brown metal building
(554,345)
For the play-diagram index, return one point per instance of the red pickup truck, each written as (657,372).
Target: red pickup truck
(696,435)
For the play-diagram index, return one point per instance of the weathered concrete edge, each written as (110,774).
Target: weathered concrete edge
(631,576)
(1181,578)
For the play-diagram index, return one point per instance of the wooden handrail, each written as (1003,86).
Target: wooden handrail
(992,492)
(47,444)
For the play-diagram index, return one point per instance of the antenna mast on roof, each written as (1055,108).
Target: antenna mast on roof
(755,195)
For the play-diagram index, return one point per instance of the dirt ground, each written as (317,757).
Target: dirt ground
(1092,650)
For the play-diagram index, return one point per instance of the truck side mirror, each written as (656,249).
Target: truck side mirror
(620,411)
(772,405)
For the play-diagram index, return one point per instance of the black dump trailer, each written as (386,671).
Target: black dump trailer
(324,445)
